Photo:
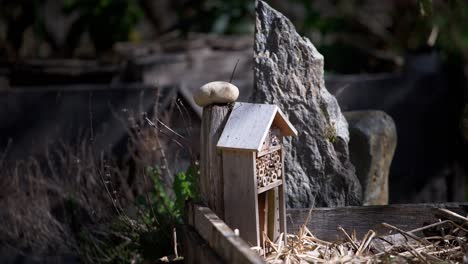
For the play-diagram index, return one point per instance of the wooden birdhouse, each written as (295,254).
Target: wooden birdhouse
(253,170)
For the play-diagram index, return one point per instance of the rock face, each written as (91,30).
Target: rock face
(373,139)
(288,71)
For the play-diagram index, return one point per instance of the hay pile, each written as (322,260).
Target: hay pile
(444,241)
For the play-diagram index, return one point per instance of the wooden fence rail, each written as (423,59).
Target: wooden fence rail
(207,239)
(323,222)
(224,245)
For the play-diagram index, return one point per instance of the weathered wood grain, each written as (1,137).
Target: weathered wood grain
(282,202)
(270,186)
(268,151)
(211,165)
(323,222)
(249,125)
(282,122)
(219,237)
(263,216)
(240,194)
(273,214)
(196,249)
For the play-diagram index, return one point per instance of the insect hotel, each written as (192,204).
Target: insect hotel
(252,151)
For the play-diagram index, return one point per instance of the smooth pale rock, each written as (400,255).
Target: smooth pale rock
(373,140)
(288,72)
(216,93)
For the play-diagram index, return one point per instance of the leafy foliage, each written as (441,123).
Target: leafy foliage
(356,35)
(217,16)
(146,233)
(106,21)
(452,20)
(186,187)
(169,207)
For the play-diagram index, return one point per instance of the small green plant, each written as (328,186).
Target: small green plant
(169,206)
(146,232)
(186,187)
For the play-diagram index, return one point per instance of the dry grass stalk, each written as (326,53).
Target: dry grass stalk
(450,246)
(48,199)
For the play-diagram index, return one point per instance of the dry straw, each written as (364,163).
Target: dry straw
(441,242)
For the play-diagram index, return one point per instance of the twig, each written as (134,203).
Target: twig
(175,242)
(428,226)
(443,251)
(448,212)
(316,240)
(365,242)
(151,123)
(404,233)
(416,253)
(348,238)
(432,258)
(233,71)
(407,253)
(280,247)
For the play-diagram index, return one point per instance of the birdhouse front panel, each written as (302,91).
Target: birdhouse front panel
(253,170)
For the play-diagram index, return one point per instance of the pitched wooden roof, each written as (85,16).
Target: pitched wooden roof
(248,126)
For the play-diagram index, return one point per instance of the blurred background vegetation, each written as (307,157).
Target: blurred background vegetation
(354,35)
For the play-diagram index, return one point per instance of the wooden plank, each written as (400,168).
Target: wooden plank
(248,126)
(240,188)
(196,249)
(268,151)
(270,186)
(221,238)
(211,166)
(283,123)
(323,222)
(262,215)
(282,201)
(273,214)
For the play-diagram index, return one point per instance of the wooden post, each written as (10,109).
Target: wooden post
(211,166)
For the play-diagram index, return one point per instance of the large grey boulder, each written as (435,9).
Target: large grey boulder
(288,71)
(373,139)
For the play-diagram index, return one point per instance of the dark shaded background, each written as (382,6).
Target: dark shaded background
(408,58)
(78,78)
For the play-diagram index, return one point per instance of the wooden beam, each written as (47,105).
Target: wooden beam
(211,166)
(196,249)
(219,237)
(268,151)
(282,201)
(323,222)
(240,194)
(270,186)
(273,214)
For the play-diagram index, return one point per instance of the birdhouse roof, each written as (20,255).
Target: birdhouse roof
(248,126)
